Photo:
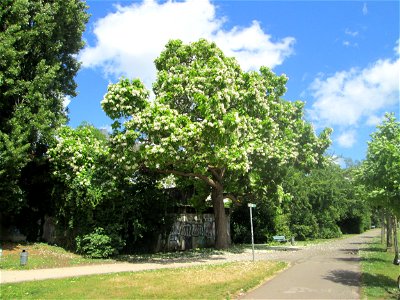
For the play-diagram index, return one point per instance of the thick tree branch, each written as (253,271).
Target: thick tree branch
(217,173)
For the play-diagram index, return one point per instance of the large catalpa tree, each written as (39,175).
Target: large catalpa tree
(210,121)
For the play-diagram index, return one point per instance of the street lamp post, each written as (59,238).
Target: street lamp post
(251,205)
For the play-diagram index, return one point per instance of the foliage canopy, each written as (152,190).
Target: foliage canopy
(211,121)
(380,172)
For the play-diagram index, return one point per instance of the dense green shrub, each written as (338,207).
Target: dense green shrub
(99,244)
(304,232)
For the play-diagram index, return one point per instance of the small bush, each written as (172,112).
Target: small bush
(304,232)
(98,244)
(282,225)
(241,234)
(330,232)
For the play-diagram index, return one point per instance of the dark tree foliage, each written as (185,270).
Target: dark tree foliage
(326,202)
(39,43)
(323,202)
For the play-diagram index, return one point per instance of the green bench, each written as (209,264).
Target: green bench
(279,238)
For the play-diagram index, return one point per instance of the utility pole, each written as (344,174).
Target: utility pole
(251,205)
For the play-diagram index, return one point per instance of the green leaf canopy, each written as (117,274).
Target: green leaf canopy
(210,120)
(380,172)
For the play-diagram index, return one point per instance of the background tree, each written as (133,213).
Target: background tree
(79,164)
(323,202)
(101,208)
(380,172)
(39,43)
(210,121)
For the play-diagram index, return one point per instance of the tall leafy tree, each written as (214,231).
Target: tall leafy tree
(39,43)
(210,121)
(380,171)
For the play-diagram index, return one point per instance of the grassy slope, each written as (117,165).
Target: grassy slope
(40,256)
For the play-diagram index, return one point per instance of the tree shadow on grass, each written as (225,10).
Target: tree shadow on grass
(193,255)
(170,257)
(11,246)
(378,280)
(359,259)
(373,259)
(199,255)
(374,249)
(237,249)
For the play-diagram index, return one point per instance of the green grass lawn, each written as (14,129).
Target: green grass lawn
(41,255)
(222,281)
(379,274)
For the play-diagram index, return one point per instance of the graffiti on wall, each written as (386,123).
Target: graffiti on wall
(183,232)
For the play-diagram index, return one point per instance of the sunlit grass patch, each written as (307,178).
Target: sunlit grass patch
(201,282)
(379,274)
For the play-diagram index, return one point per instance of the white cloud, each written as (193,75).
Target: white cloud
(365,9)
(66,101)
(106,128)
(351,33)
(350,36)
(374,120)
(350,97)
(347,139)
(349,44)
(129,39)
(252,47)
(338,160)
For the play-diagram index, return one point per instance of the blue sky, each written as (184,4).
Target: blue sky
(341,57)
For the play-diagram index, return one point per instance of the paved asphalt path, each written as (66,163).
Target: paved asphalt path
(327,271)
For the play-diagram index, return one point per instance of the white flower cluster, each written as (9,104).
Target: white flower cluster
(209,112)
(124,98)
(75,155)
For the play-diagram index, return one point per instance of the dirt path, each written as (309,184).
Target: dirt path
(322,272)
(334,264)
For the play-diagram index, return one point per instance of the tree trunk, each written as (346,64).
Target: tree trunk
(389,231)
(382,226)
(222,236)
(396,242)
